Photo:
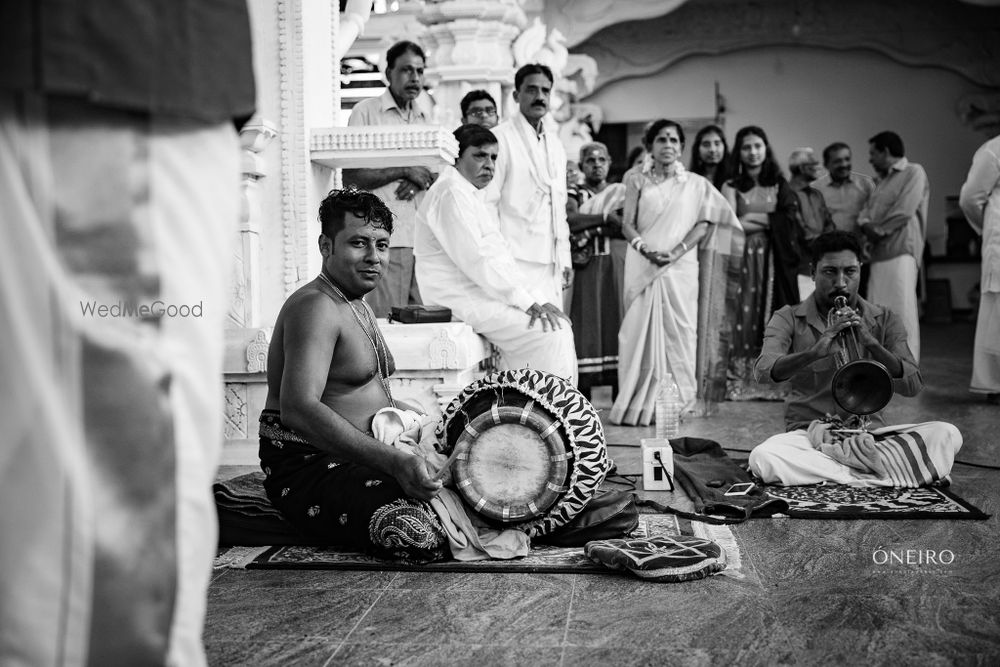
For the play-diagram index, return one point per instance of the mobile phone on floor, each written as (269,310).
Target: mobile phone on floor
(740,489)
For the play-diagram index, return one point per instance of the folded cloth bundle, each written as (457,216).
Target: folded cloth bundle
(858,450)
(907,455)
(705,472)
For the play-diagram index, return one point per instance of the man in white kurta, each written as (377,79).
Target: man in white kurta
(980,201)
(463,262)
(527,196)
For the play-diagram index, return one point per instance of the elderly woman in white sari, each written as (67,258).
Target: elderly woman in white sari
(686,246)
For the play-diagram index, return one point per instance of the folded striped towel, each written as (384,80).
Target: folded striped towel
(898,454)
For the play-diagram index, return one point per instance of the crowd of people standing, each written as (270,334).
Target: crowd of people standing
(727,239)
(673,270)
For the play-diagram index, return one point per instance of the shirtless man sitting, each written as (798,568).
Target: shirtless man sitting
(327,377)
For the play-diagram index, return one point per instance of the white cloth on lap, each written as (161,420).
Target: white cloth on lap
(468,538)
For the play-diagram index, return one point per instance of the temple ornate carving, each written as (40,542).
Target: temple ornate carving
(926,33)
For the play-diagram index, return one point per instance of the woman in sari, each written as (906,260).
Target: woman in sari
(594,217)
(767,209)
(685,240)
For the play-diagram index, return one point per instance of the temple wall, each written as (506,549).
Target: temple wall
(812,97)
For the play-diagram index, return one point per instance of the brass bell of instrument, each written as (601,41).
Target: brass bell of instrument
(860,386)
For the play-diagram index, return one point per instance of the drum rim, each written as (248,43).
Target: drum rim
(591,460)
(556,448)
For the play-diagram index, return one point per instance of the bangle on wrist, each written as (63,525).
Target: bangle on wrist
(636,242)
(684,246)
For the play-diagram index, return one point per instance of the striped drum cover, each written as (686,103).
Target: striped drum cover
(529,449)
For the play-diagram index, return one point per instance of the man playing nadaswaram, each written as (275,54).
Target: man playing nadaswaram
(800,346)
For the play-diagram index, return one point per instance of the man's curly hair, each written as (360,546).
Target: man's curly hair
(365,205)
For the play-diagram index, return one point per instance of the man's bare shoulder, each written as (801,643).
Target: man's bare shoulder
(310,307)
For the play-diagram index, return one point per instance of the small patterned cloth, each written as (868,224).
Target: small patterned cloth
(667,558)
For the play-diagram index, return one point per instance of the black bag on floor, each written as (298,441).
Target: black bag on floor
(608,515)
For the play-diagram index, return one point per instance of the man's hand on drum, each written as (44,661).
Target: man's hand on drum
(416,479)
(548,314)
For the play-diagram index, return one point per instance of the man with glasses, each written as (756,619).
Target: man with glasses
(479,108)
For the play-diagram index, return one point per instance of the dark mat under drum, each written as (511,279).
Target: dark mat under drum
(541,559)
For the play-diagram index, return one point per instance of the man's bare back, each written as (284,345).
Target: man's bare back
(353,386)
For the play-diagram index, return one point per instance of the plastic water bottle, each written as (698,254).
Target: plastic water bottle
(668,408)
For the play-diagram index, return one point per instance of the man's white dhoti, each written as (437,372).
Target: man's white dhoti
(545,282)
(980,201)
(114,280)
(929,449)
(893,284)
(986,349)
(520,347)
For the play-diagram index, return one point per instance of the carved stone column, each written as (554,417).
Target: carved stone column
(468,46)
(244,310)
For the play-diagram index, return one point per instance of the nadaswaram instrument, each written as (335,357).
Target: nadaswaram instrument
(860,386)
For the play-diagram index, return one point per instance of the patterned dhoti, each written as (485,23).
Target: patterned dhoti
(344,503)
(910,455)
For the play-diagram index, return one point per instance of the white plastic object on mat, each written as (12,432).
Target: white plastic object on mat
(657,473)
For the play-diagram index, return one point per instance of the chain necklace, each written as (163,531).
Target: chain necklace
(376,342)
(658,175)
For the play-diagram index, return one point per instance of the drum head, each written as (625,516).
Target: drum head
(525,449)
(512,464)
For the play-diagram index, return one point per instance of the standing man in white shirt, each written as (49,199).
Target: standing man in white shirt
(980,201)
(846,192)
(895,221)
(465,264)
(401,188)
(528,192)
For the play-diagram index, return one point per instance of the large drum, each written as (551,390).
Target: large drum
(529,449)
